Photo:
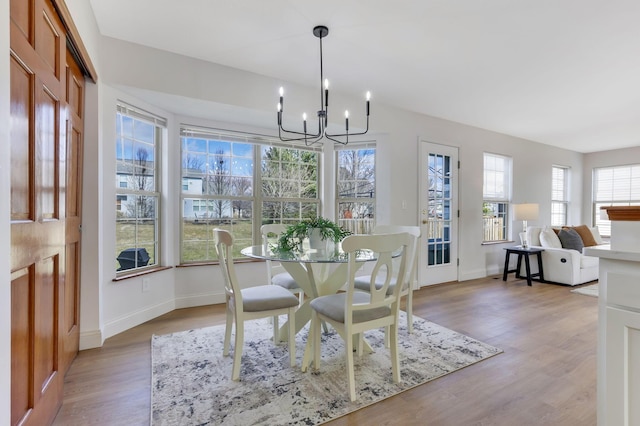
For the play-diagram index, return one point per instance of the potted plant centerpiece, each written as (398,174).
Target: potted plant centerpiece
(319,231)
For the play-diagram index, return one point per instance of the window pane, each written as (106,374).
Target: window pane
(495,221)
(136,229)
(614,186)
(137,218)
(219,181)
(497,194)
(497,177)
(559,195)
(356,189)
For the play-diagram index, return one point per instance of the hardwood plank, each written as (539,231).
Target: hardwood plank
(547,374)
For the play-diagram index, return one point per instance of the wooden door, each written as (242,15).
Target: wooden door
(47,90)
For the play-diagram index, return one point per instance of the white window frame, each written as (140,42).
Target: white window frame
(496,190)
(151,188)
(560,176)
(256,198)
(614,186)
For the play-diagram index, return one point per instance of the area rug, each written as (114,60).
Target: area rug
(590,290)
(191,380)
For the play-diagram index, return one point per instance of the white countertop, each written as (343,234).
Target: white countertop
(605,252)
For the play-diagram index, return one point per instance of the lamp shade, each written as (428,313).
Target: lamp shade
(526,211)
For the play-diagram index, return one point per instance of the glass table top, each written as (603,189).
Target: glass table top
(306,255)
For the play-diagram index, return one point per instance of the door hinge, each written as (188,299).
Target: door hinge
(458,261)
(458,164)
(458,214)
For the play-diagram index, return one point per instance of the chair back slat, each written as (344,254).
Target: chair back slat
(266,230)
(224,249)
(412,254)
(386,246)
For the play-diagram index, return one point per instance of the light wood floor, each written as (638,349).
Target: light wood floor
(546,375)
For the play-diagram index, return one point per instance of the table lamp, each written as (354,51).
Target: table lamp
(525,212)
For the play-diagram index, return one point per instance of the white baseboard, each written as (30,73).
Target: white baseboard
(136,318)
(475,274)
(191,300)
(91,339)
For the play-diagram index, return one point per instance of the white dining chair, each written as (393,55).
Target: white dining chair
(362,282)
(282,279)
(353,312)
(250,303)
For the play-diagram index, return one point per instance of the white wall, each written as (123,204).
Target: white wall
(5,214)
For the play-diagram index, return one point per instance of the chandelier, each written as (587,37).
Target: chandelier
(323,114)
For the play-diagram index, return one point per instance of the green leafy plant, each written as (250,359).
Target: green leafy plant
(292,238)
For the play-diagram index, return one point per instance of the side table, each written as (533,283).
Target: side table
(523,252)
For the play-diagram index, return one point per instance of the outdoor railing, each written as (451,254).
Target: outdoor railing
(358,226)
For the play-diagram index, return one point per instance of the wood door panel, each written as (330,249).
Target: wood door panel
(49,36)
(21,12)
(47,143)
(21,343)
(45,350)
(21,146)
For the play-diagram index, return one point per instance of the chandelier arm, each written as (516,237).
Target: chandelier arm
(286,135)
(338,135)
(308,141)
(281,129)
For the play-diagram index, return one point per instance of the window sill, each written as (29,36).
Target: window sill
(140,273)
(492,243)
(215,262)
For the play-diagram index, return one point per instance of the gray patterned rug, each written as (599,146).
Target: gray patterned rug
(191,380)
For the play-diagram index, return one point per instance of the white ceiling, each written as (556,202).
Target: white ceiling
(560,72)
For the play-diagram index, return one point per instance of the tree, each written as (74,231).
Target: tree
(287,176)
(141,179)
(218,182)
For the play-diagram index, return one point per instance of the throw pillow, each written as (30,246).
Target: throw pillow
(570,239)
(549,239)
(586,235)
(596,235)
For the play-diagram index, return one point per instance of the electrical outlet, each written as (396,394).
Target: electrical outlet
(145,285)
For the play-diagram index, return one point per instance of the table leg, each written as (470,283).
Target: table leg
(506,266)
(528,268)
(541,276)
(519,264)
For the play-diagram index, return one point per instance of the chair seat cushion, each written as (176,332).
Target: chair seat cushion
(285,280)
(362,283)
(333,306)
(267,297)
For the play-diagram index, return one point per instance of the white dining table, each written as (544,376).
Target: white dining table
(317,272)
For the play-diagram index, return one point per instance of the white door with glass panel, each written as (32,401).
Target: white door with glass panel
(438,214)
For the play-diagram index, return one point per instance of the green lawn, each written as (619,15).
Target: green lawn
(197,239)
